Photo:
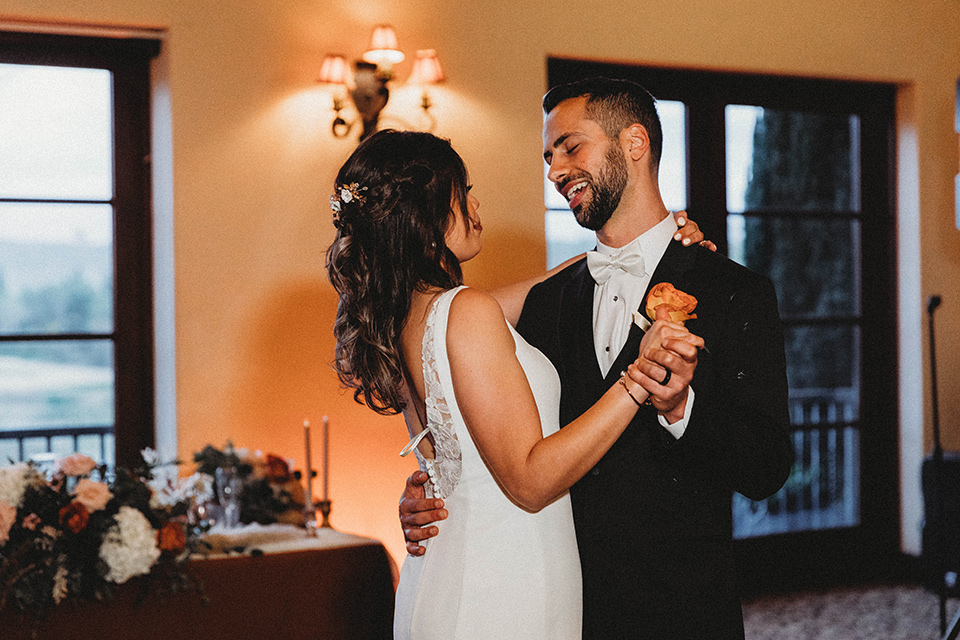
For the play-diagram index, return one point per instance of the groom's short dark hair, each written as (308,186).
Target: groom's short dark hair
(615,105)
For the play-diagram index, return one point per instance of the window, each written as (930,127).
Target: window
(792,178)
(76,361)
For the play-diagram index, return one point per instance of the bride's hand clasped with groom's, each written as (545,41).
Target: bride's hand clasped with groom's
(664,368)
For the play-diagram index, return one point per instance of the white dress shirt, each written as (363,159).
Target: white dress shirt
(615,300)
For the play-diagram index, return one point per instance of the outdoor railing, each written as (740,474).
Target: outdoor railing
(823,490)
(25,444)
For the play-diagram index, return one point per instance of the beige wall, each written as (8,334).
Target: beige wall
(252,166)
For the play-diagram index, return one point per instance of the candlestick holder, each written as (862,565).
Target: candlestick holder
(310,520)
(324,506)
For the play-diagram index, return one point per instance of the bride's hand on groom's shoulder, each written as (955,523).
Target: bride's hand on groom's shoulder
(689,232)
(416,511)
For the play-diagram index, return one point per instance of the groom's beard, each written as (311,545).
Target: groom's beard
(606,191)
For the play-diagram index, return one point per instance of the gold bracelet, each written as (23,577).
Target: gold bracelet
(623,383)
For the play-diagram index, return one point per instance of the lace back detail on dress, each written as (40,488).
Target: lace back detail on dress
(444,469)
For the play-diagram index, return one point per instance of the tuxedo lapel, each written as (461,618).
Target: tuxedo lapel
(672,268)
(576,329)
(628,354)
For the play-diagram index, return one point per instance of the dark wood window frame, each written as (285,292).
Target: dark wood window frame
(871,550)
(128,59)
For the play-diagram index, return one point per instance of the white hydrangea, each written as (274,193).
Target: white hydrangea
(130,546)
(13,483)
(150,456)
(169,490)
(198,487)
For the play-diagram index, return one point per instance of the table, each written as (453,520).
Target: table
(332,587)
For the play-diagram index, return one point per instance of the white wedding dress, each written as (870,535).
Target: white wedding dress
(495,570)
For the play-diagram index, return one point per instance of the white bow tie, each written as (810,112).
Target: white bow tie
(603,266)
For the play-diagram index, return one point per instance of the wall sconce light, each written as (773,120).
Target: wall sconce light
(369,92)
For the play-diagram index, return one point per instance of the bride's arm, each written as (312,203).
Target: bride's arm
(511,296)
(498,406)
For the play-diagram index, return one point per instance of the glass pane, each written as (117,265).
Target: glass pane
(56,268)
(551,197)
(822,492)
(9,449)
(56,384)
(565,238)
(790,160)
(824,360)
(673,161)
(56,134)
(814,262)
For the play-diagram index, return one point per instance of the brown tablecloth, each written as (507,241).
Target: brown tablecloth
(342,593)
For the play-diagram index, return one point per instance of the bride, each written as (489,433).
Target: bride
(481,405)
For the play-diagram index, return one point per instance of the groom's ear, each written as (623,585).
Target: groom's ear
(637,141)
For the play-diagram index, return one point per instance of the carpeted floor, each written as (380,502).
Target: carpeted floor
(906,612)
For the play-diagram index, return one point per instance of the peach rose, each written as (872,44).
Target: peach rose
(76,465)
(74,517)
(171,537)
(8,513)
(678,305)
(92,494)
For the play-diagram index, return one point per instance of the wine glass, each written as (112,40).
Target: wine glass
(228,493)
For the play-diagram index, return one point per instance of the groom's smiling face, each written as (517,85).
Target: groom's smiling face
(586,166)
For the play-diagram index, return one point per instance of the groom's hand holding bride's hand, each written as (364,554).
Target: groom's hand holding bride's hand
(416,510)
(667,347)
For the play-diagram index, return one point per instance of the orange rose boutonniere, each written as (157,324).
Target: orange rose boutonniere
(678,305)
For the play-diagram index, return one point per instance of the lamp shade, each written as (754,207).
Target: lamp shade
(383,49)
(334,70)
(426,68)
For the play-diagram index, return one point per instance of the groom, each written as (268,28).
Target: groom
(653,518)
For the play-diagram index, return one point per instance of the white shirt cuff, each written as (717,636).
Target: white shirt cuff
(678,428)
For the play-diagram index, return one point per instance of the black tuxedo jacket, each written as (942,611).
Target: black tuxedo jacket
(653,517)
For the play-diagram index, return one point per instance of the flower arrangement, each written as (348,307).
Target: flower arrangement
(82,530)
(270,492)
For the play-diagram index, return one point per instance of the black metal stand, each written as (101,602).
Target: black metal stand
(939,562)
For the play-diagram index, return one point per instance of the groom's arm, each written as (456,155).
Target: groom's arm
(738,432)
(418,513)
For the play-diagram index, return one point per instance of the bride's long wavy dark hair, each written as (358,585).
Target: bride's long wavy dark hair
(390,243)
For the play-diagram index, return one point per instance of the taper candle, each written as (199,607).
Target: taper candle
(308,474)
(326,456)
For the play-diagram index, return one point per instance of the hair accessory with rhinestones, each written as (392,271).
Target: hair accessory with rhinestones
(345,193)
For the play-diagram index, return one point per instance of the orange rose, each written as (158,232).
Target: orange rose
(678,305)
(171,537)
(278,471)
(74,517)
